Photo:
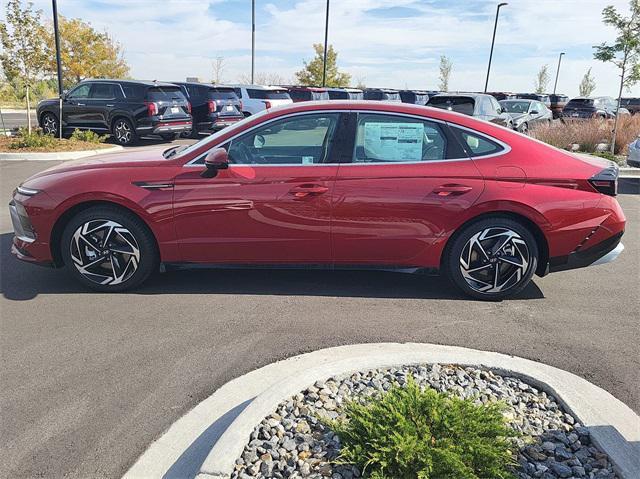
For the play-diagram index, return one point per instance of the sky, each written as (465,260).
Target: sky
(381,43)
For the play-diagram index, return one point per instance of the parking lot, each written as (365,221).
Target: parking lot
(90,380)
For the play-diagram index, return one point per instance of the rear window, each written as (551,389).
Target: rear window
(164,94)
(222,94)
(580,103)
(391,96)
(459,104)
(339,95)
(476,144)
(300,95)
(268,94)
(320,95)
(631,101)
(356,95)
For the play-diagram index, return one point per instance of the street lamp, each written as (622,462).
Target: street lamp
(324,58)
(253,40)
(495,26)
(557,73)
(56,33)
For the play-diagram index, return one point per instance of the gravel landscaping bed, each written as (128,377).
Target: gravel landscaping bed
(293,442)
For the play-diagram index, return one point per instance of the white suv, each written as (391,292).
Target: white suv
(256,98)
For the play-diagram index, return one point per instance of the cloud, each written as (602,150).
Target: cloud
(394,43)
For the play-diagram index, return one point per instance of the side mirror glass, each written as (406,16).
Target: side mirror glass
(258,141)
(216,160)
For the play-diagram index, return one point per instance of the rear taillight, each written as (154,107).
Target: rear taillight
(189,107)
(606,182)
(211,105)
(152,108)
(267,104)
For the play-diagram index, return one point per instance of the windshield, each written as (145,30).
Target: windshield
(184,150)
(515,106)
(459,104)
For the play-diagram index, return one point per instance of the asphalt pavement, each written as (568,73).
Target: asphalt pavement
(90,380)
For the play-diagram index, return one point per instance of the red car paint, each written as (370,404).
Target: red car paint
(329,214)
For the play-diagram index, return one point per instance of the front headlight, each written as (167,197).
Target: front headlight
(27,191)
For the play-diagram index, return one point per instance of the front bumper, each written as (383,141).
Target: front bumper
(602,253)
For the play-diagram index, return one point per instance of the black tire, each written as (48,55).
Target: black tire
(169,136)
(123,132)
(127,270)
(50,124)
(524,129)
(520,248)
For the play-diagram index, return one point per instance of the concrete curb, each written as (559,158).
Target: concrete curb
(226,418)
(59,155)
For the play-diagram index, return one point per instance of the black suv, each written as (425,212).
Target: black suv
(212,106)
(127,109)
(381,94)
(416,97)
(584,107)
(631,104)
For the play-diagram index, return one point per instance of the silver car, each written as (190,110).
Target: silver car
(526,113)
(634,153)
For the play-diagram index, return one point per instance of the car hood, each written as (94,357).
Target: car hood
(124,159)
(48,101)
(517,116)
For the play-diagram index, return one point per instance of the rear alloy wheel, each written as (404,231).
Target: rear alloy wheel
(524,128)
(493,259)
(50,124)
(108,249)
(123,132)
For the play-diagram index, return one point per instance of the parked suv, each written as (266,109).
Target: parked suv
(482,106)
(587,107)
(127,109)
(307,93)
(417,97)
(502,95)
(543,97)
(381,94)
(631,104)
(212,106)
(558,102)
(345,94)
(256,98)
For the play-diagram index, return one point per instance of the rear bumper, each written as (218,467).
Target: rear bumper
(218,123)
(603,252)
(165,127)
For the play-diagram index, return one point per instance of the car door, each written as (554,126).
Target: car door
(74,108)
(273,203)
(395,198)
(102,99)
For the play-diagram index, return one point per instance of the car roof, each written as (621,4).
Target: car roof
(196,83)
(150,83)
(304,88)
(417,92)
(506,100)
(383,90)
(462,94)
(347,89)
(258,87)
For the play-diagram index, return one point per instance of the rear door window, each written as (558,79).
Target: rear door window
(103,91)
(398,139)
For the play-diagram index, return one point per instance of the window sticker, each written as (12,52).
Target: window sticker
(394,141)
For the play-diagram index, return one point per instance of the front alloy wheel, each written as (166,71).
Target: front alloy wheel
(493,259)
(50,124)
(108,248)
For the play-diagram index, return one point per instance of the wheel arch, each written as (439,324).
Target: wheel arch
(531,225)
(116,116)
(69,213)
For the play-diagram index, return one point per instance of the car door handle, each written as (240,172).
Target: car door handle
(451,190)
(109,104)
(81,104)
(303,191)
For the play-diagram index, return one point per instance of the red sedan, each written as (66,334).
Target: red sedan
(333,184)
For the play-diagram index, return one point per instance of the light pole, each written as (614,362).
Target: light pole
(495,27)
(326,37)
(555,85)
(253,40)
(56,33)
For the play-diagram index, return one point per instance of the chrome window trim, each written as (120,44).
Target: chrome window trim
(505,147)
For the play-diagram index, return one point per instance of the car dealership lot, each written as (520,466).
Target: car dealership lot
(89,380)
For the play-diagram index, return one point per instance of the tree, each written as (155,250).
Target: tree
(542,79)
(263,78)
(587,85)
(445,72)
(87,53)
(24,49)
(218,66)
(624,52)
(311,74)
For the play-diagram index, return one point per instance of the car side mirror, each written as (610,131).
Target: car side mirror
(534,112)
(217,159)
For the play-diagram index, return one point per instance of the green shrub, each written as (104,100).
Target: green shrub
(410,433)
(88,136)
(35,139)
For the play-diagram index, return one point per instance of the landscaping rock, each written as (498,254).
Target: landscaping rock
(293,442)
